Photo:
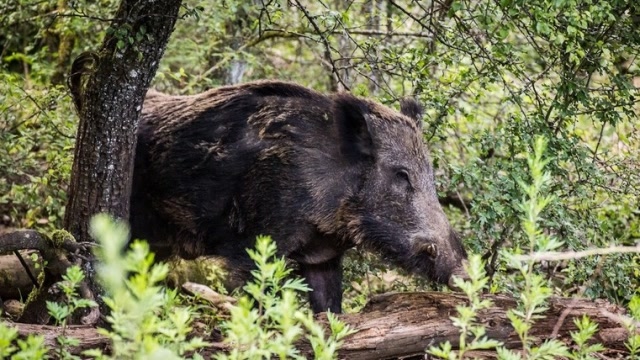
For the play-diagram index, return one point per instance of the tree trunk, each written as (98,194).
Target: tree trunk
(109,99)
(402,325)
(109,106)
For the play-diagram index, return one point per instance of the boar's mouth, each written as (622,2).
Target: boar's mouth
(440,260)
(436,259)
(459,272)
(401,253)
(442,272)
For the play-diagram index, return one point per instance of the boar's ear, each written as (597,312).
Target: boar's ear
(355,137)
(411,108)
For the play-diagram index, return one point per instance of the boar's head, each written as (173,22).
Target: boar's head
(394,208)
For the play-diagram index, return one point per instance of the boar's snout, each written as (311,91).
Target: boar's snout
(442,258)
(459,272)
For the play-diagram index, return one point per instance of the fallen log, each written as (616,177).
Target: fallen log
(87,336)
(58,252)
(15,282)
(405,324)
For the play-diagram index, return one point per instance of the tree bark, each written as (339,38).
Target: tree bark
(109,106)
(402,325)
(109,99)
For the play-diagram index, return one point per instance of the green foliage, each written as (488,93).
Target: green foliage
(61,312)
(37,119)
(146,320)
(31,348)
(534,290)
(269,318)
(542,68)
(466,320)
(35,153)
(633,343)
(586,330)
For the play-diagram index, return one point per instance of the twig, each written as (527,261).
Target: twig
(622,319)
(26,268)
(558,255)
(595,151)
(565,313)
(324,41)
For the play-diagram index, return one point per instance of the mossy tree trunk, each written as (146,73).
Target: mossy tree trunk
(108,89)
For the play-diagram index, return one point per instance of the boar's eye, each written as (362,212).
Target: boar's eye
(403,175)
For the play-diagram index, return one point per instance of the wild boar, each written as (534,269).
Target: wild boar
(319,173)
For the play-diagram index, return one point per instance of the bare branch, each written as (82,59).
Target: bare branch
(324,41)
(31,239)
(569,255)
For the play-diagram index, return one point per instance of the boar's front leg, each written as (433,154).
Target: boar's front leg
(325,280)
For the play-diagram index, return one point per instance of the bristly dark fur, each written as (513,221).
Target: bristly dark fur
(318,173)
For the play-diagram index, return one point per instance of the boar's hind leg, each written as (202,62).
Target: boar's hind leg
(325,280)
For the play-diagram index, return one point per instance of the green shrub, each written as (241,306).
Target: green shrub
(532,288)
(31,348)
(62,311)
(146,319)
(269,319)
